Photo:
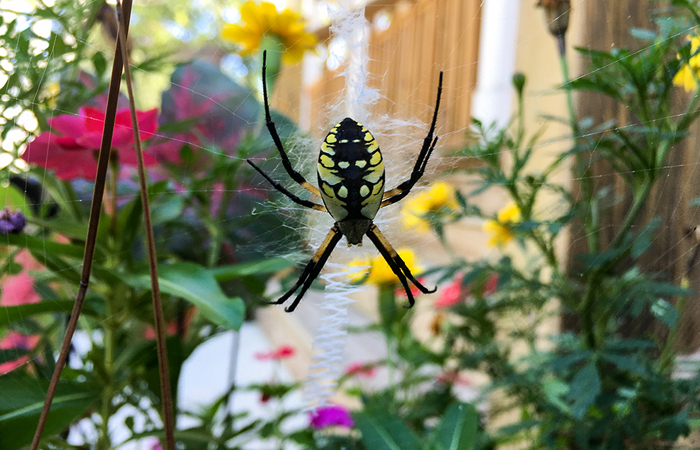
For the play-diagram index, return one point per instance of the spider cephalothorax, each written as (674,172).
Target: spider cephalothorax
(351,181)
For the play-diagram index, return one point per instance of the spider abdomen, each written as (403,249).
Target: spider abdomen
(351,172)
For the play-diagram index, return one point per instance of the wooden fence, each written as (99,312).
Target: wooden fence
(424,37)
(671,197)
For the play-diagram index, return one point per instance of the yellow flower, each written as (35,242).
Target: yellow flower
(440,198)
(53,88)
(262,20)
(500,229)
(684,76)
(380,273)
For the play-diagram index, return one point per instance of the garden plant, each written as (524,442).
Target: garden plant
(591,385)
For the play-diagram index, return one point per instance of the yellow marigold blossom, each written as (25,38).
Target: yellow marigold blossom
(261,20)
(440,198)
(380,273)
(499,230)
(684,76)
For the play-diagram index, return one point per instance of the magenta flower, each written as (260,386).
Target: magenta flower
(71,148)
(329,416)
(12,222)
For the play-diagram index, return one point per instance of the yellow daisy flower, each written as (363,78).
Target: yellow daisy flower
(499,230)
(262,20)
(380,273)
(684,76)
(440,198)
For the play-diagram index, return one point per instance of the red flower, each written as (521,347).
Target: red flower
(451,294)
(16,341)
(282,352)
(361,369)
(328,416)
(71,152)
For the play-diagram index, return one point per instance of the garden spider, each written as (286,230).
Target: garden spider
(351,178)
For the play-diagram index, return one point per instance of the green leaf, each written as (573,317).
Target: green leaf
(555,390)
(625,363)
(642,34)
(665,312)
(41,246)
(263,266)
(643,241)
(382,431)
(584,389)
(10,314)
(457,429)
(21,402)
(197,285)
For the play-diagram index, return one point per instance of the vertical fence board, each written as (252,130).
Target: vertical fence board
(405,59)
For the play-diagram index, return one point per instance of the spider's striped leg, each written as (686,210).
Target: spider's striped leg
(329,244)
(283,190)
(383,245)
(386,254)
(402,190)
(296,176)
(312,269)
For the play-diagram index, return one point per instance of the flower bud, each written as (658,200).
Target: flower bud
(556,14)
(519,82)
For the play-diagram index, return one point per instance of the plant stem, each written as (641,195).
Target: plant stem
(164,374)
(95,209)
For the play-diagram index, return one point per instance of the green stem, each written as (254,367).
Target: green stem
(113,177)
(215,231)
(579,172)
(667,355)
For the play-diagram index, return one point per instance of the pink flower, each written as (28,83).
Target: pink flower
(328,416)
(452,377)
(401,292)
(70,149)
(20,342)
(361,369)
(153,443)
(150,333)
(18,290)
(27,260)
(451,294)
(281,352)
(491,285)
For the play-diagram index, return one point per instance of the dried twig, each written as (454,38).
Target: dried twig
(95,209)
(152,259)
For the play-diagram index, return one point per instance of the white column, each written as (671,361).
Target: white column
(491,101)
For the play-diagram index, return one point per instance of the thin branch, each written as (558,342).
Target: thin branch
(166,393)
(95,209)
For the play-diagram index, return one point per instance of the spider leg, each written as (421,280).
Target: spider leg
(296,176)
(397,265)
(283,190)
(312,269)
(394,195)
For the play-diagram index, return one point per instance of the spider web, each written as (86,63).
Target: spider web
(400,138)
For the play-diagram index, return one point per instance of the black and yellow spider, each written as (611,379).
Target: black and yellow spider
(351,178)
